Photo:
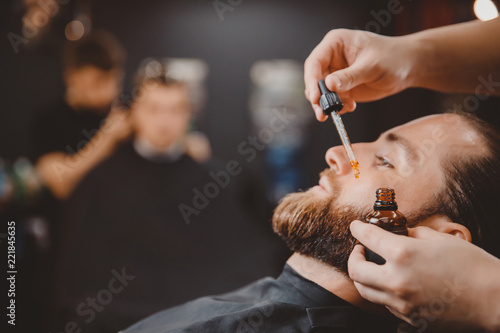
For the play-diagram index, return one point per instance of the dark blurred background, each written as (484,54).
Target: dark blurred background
(230,42)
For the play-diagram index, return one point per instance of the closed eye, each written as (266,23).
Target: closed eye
(383,162)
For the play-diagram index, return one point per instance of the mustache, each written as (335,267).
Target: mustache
(330,176)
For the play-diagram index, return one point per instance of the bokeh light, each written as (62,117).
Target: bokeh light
(485,10)
(74,30)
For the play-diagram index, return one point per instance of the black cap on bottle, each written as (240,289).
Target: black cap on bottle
(329,100)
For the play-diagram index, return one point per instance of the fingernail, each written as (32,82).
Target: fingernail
(337,81)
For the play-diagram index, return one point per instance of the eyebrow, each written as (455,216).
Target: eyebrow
(402,142)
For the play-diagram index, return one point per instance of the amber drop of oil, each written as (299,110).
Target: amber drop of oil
(355,166)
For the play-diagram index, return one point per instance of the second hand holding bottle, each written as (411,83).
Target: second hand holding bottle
(331,104)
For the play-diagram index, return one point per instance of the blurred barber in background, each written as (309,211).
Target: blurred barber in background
(93,75)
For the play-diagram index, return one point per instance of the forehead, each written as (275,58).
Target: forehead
(424,147)
(448,133)
(164,95)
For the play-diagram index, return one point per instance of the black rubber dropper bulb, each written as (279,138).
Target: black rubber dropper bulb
(329,100)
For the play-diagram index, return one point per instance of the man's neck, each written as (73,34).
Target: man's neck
(170,153)
(332,280)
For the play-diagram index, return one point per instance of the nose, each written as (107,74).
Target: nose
(337,160)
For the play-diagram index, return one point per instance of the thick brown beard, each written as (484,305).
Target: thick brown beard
(317,226)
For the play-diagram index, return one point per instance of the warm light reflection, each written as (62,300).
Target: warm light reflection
(74,30)
(485,10)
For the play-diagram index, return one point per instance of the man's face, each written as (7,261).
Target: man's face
(408,158)
(162,115)
(94,88)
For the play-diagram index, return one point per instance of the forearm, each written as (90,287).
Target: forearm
(454,58)
(494,320)
(61,173)
(488,296)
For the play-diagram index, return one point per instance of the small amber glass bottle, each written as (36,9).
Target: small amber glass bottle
(386,216)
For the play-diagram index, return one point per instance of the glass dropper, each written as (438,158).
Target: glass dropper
(331,104)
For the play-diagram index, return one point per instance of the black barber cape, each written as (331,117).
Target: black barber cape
(289,303)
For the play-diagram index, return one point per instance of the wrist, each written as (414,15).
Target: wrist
(421,57)
(103,142)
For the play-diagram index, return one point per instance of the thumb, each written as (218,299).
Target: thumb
(347,78)
(425,233)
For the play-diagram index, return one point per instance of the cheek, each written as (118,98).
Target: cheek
(418,191)
(87,88)
(146,124)
(358,192)
(178,123)
(362,191)
(109,90)
(185,122)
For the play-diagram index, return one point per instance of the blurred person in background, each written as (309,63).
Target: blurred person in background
(68,138)
(169,227)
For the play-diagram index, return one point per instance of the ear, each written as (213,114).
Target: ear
(445,225)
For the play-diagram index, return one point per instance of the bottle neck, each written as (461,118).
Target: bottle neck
(385,205)
(385,199)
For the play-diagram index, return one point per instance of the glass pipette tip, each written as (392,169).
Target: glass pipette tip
(346,142)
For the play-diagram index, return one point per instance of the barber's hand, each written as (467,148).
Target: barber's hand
(198,147)
(360,66)
(431,280)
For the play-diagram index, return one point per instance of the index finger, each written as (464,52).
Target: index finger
(312,75)
(315,67)
(377,239)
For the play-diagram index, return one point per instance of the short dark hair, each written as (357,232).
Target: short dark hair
(161,79)
(153,71)
(472,188)
(156,75)
(100,49)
